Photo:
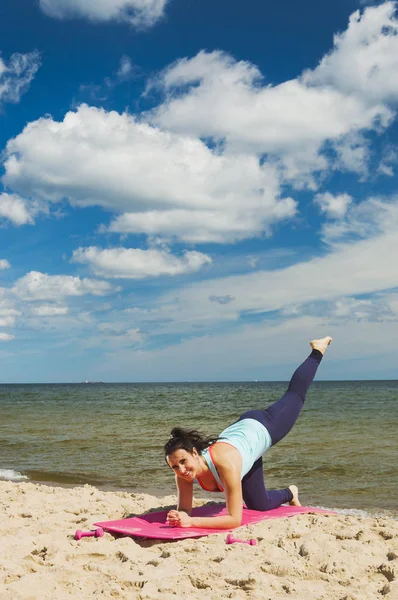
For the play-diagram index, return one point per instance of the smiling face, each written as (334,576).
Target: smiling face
(184,464)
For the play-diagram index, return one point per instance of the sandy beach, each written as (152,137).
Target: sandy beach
(306,557)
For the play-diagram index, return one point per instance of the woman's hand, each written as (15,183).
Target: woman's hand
(179,518)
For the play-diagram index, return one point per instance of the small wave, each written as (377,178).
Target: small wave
(358,512)
(11,475)
(329,469)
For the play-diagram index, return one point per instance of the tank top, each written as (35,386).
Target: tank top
(249,437)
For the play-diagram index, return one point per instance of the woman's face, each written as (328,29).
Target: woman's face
(184,464)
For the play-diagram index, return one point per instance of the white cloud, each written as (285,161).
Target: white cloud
(49,310)
(4,264)
(265,350)
(7,306)
(386,170)
(352,154)
(39,286)
(392,300)
(16,75)
(134,263)
(389,158)
(133,336)
(170,183)
(57,325)
(125,68)
(140,13)
(8,311)
(16,209)
(115,336)
(197,226)
(358,310)
(224,99)
(379,308)
(361,260)
(167,183)
(119,332)
(7,321)
(353,90)
(6,337)
(365,220)
(335,207)
(253,260)
(364,58)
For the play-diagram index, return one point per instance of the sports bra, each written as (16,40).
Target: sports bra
(249,437)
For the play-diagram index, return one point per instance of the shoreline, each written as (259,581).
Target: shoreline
(306,556)
(203,495)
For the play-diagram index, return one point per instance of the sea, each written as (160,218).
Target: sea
(342,452)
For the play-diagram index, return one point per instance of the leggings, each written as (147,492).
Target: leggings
(278,418)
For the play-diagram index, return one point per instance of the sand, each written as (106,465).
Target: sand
(306,557)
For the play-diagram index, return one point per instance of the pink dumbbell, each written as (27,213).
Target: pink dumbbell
(231,540)
(99,532)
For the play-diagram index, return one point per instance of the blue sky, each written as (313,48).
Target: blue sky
(191,191)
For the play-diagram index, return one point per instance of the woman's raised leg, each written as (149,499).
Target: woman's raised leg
(280,417)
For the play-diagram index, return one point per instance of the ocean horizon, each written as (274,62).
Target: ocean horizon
(189,381)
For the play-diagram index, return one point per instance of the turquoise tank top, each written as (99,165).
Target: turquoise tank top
(249,437)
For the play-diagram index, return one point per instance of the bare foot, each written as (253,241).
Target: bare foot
(294,501)
(321,344)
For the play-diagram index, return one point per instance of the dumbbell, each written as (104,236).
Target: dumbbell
(99,532)
(232,540)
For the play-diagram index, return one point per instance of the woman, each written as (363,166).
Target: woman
(233,461)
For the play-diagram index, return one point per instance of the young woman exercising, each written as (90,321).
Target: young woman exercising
(233,461)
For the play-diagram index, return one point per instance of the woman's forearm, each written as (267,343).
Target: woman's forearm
(184,502)
(226,522)
(184,496)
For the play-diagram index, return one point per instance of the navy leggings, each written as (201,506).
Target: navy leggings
(278,418)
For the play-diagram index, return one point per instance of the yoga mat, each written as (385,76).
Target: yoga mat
(153,525)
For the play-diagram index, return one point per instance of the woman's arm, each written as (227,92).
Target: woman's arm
(234,502)
(184,495)
(184,502)
(229,464)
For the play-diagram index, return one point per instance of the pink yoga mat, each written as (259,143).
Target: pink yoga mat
(153,525)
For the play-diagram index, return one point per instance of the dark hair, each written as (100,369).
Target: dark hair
(187,439)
